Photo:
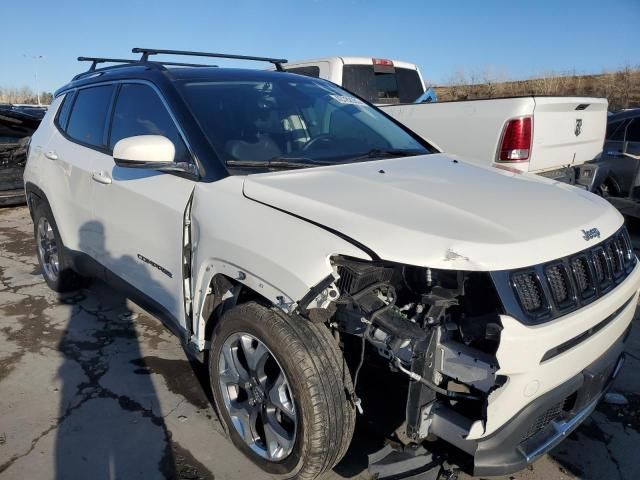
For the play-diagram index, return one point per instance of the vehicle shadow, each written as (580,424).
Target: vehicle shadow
(110,422)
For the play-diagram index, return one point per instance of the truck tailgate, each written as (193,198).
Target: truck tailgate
(469,129)
(567,130)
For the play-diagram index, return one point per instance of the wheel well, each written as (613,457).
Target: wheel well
(612,183)
(34,197)
(215,304)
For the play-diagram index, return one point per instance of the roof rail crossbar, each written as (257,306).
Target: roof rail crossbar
(126,61)
(96,60)
(146,52)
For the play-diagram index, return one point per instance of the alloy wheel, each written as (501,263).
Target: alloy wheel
(257,396)
(48,249)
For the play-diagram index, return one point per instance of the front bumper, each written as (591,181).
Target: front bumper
(541,425)
(545,398)
(549,419)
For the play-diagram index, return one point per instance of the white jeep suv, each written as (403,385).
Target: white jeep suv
(322,258)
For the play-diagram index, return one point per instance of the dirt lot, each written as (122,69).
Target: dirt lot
(92,388)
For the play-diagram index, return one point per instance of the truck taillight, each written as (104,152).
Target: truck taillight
(515,145)
(382,61)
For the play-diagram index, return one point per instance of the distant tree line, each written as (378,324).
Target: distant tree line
(24,95)
(621,88)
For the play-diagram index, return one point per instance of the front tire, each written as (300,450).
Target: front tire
(282,389)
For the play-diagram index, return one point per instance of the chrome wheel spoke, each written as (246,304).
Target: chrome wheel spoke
(280,397)
(277,439)
(256,355)
(232,371)
(244,419)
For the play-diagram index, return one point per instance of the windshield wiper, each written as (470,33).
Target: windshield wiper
(277,163)
(384,153)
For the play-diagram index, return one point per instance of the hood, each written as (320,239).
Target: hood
(435,211)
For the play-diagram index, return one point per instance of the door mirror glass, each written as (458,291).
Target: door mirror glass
(144,151)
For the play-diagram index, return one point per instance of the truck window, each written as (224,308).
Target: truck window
(310,71)
(395,85)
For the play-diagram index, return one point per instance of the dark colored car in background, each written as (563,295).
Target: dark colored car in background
(17,124)
(622,142)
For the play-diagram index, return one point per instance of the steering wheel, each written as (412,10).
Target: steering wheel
(320,140)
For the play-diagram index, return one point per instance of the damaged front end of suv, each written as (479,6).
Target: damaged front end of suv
(443,331)
(438,328)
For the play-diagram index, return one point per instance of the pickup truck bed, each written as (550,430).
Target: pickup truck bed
(566,131)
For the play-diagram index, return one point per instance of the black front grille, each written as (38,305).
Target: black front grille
(529,291)
(562,290)
(585,283)
(553,289)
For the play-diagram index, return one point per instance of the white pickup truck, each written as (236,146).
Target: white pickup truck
(550,136)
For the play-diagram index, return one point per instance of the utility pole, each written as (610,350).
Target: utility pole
(36,58)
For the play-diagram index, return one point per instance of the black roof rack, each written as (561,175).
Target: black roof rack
(146,52)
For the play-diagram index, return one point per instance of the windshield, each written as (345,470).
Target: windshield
(300,120)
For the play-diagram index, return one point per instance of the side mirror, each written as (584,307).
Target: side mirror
(153,152)
(144,151)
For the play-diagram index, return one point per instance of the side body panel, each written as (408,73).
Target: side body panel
(138,230)
(62,170)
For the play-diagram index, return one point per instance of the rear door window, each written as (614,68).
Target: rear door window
(140,111)
(89,115)
(387,85)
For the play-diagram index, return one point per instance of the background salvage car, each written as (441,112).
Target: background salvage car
(621,158)
(17,124)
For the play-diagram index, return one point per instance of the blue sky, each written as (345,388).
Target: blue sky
(511,39)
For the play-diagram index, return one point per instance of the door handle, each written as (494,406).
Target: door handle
(51,155)
(101,177)
(614,153)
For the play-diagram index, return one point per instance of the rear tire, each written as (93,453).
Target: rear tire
(55,265)
(313,414)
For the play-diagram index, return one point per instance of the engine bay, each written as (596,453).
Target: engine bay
(440,329)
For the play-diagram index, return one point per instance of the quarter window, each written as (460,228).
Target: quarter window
(65,110)
(139,111)
(615,131)
(633,131)
(89,114)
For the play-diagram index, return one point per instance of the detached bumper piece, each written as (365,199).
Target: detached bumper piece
(406,463)
(540,426)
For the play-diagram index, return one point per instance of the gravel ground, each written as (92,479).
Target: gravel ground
(92,387)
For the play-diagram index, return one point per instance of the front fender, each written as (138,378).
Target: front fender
(275,254)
